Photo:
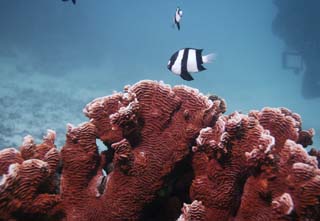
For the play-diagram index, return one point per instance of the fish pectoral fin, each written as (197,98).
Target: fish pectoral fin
(186,76)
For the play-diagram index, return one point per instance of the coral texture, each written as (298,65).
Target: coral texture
(28,188)
(171,155)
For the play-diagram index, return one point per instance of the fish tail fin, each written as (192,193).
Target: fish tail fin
(209,58)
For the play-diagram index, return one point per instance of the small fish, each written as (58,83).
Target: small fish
(73,1)
(177,17)
(104,173)
(101,183)
(188,60)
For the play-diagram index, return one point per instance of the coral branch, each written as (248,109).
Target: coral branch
(123,157)
(224,158)
(193,212)
(9,156)
(20,189)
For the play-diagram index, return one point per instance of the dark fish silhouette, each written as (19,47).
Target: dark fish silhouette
(73,1)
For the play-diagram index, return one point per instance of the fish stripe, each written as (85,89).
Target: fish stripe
(184,62)
(192,65)
(176,67)
(173,60)
(199,60)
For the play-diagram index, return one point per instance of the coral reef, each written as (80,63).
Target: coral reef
(171,154)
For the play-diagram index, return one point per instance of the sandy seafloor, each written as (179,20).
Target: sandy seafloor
(247,72)
(32,102)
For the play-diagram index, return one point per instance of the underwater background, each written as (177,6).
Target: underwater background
(55,57)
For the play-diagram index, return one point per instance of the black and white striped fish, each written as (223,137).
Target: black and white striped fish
(188,60)
(177,17)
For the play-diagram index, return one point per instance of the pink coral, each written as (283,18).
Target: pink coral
(168,148)
(27,188)
(9,156)
(223,160)
(193,212)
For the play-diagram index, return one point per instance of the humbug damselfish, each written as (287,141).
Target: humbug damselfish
(188,60)
(177,17)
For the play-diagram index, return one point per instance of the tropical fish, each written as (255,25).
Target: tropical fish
(188,60)
(177,17)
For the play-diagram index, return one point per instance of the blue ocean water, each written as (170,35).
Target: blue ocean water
(55,57)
